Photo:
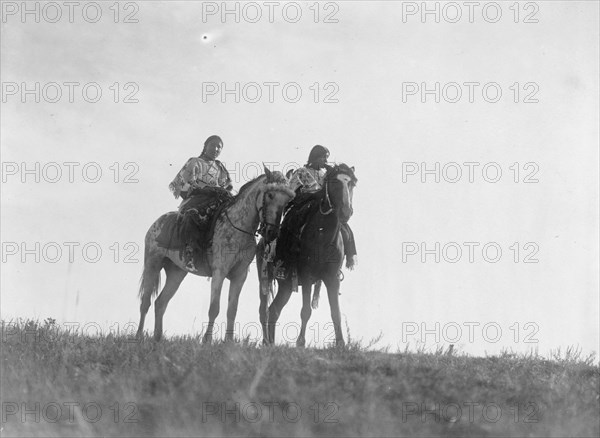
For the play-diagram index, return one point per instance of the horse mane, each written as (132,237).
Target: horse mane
(275,180)
(276,177)
(247,186)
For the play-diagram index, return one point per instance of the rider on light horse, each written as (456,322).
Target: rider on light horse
(204,184)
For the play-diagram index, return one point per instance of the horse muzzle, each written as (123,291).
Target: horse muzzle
(346,213)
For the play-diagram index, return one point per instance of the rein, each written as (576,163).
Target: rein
(325,213)
(239,229)
(262,221)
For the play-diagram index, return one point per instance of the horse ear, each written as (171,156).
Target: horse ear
(352,168)
(267,171)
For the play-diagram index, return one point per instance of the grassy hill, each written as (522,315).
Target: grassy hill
(56,383)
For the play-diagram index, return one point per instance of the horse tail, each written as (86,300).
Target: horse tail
(150,279)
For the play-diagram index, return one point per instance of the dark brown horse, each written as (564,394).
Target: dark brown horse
(321,256)
(233,248)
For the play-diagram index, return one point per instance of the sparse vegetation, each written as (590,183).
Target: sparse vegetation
(54,383)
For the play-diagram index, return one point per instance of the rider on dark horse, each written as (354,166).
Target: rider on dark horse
(307,181)
(204,184)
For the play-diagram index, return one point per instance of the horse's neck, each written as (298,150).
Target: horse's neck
(243,212)
(329,223)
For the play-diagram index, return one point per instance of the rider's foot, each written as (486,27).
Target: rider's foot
(352,262)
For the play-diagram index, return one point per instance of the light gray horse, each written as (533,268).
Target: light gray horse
(233,248)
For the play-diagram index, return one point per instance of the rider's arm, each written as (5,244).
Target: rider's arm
(303,178)
(224,178)
(296,179)
(187,178)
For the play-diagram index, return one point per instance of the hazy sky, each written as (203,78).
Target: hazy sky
(360,75)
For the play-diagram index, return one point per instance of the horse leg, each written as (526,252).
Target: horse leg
(215,302)
(305,312)
(235,287)
(264,298)
(316,295)
(332,283)
(262,314)
(280,300)
(144,306)
(175,276)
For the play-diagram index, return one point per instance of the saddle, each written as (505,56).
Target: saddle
(190,230)
(281,263)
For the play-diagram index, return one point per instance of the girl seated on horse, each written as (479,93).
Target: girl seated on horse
(204,184)
(307,180)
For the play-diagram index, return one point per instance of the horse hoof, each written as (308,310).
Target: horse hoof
(207,339)
(340,343)
(300,343)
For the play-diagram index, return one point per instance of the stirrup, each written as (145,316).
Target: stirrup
(280,272)
(269,253)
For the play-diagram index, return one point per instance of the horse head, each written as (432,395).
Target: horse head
(339,187)
(276,193)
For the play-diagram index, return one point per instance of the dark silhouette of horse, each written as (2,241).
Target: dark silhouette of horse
(232,249)
(320,258)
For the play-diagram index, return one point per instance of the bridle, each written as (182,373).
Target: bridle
(263,223)
(262,227)
(326,198)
